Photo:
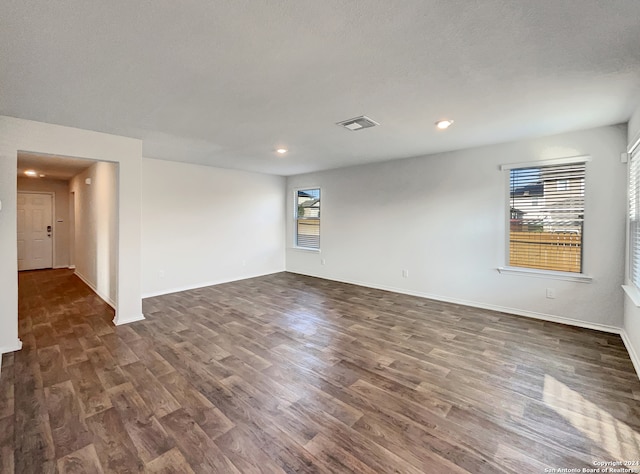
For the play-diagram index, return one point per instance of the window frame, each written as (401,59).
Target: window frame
(296,218)
(507,269)
(630,288)
(634,158)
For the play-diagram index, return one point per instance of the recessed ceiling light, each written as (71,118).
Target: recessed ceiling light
(282,151)
(42,175)
(31,173)
(444,124)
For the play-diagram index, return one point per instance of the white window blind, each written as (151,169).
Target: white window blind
(634,219)
(308,218)
(546,216)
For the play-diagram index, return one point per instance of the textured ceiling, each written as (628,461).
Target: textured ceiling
(226,82)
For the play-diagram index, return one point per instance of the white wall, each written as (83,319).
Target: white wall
(631,311)
(96,228)
(443,218)
(26,135)
(60,190)
(203,225)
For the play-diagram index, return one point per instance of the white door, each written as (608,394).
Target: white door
(35,241)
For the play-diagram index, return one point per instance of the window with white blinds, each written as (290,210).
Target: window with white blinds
(546,216)
(308,218)
(634,218)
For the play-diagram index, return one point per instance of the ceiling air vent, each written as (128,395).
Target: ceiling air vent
(358,123)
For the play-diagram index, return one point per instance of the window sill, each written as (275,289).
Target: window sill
(633,294)
(550,274)
(305,249)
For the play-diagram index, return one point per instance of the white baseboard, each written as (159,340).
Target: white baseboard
(71,267)
(90,284)
(118,321)
(631,350)
(16,346)
(502,309)
(195,286)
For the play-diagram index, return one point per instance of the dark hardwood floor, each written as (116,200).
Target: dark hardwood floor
(287,373)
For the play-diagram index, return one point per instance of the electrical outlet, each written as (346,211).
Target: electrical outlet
(551,293)
(405,273)
(323,262)
(244,263)
(161,273)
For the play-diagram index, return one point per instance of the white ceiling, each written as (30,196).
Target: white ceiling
(52,166)
(226,82)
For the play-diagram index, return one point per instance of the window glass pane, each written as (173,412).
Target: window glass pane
(308,218)
(546,217)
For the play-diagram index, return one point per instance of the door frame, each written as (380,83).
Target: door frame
(53,222)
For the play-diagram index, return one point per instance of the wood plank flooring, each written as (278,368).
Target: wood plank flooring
(287,373)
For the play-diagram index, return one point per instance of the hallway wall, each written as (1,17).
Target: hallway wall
(96,228)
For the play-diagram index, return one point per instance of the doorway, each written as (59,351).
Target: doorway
(18,136)
(35,231)
(67,217)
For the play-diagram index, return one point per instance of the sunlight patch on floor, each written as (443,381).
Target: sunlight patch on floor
(616,437)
